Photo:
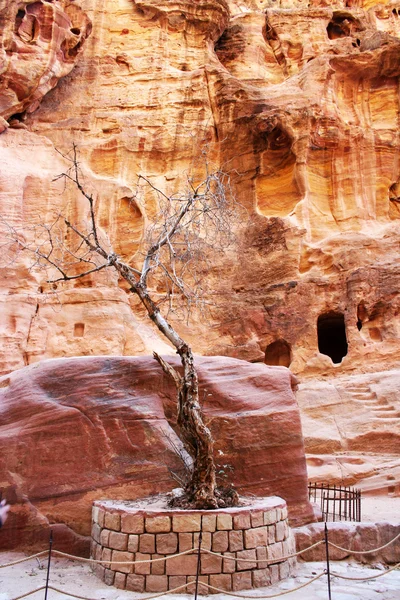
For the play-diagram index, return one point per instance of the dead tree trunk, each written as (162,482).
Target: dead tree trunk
(201,488)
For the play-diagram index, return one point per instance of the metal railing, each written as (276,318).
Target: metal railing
(337,503)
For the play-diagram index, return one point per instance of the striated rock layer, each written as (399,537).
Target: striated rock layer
(297,100)
(80,429)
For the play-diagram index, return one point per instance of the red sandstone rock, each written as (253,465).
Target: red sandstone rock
(103,420)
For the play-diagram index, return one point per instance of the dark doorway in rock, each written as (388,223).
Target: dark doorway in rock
(278,353)
(332,335)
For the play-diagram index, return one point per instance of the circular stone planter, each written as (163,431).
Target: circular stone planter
(139,531)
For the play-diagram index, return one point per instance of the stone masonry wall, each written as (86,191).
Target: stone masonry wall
(128,531)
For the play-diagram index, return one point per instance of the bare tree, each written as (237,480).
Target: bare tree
(190,226)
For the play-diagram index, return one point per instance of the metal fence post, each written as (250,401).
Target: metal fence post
(328,572)
(48,564)
(198,566)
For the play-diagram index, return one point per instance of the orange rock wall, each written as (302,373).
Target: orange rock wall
(297,100)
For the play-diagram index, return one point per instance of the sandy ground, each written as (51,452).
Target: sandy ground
(380,508)
(76,578)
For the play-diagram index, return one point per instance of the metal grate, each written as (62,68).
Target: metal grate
(337,503)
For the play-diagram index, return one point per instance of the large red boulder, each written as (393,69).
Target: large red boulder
(78,429)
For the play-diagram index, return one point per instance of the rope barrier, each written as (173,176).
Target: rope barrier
(177,589)
(366,578)
(21,560)
(365,551)
(121,562)
(216,589)
(263,560)
(303,585)
(167,557)
(43,587)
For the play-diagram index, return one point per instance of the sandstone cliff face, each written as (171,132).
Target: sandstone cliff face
(298,101)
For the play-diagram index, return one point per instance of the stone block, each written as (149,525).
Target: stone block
(142,568)
(274,551)
(246,560)
(228,565)
(96,550)
(203,585)
(156,583)
(132,523)
(284,569)
(280,531)
(120,581)
(271,534)
(224,522)
(182,565)
(166,543)
(135,583)
(209,523)
(158,524)
(222,581)
(261,554)
(185,541)
(256,537)
(177,581)
(186,523)
(205,541)
(210,564)
(96,532)
(157,567)
(104,537)
(95,514)
(241,581)
(112,521)
(283,513)
(133,542)
(270,517)
(121,557)
(274,571)
(261,578)
(100,517)
(147,543)
(241,521)
(257,518)
(106,555)
(99,571)
(220,541)
(118,540)
(235,540)
(109,577)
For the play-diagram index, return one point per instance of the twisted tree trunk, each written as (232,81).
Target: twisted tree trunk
(201,489)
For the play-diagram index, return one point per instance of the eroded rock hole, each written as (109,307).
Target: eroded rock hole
(342,26)
(278,353)
(79,329)
(332,336)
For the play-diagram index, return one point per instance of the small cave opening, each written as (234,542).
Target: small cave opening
(332,339)
(343,25)
(278,353)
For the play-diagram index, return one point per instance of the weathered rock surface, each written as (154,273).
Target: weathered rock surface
(39,43)
(299,102)
(351,428)
(76,430)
